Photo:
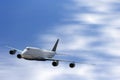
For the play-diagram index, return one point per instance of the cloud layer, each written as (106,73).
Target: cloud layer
(94,35)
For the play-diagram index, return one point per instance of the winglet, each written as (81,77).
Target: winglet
(55,46)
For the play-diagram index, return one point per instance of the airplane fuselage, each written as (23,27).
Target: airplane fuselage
(31,53)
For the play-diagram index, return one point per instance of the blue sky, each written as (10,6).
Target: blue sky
(22,20)
(88,29)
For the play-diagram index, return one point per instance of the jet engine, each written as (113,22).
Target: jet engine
(19,56)
(12,52)
(55,63)
(72,65)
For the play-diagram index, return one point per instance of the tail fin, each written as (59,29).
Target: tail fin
(55,46)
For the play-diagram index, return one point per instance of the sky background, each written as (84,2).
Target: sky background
(88,29)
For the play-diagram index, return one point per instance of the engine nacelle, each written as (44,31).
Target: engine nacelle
(55,63)
(12,52)
(72,65)
(19,56)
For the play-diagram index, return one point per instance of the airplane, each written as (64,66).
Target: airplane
(32,53)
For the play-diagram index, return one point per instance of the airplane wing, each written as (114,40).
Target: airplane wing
(61,54)
(68,61)
(12,48)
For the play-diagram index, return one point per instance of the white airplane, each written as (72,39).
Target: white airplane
(32,53)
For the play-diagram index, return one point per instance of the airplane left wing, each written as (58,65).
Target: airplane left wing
(69,61)
(72,63)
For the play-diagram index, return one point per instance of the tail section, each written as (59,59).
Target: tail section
(55,46)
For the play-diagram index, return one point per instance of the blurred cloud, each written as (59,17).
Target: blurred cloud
(22,70)
(95,37)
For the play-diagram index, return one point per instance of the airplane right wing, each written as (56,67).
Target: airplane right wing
(13,50)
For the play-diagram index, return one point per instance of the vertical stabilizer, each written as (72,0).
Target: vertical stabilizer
(55,46)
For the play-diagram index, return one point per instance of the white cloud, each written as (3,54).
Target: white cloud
(103,6)
(23,70)
(111,34)
(90,18)
(107,52)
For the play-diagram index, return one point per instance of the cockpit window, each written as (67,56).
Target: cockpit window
(28,48)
